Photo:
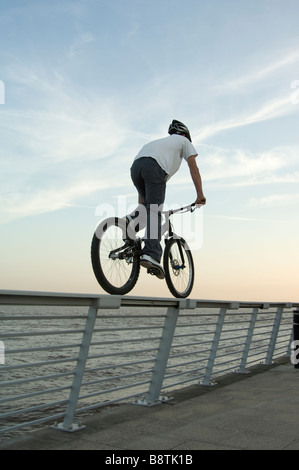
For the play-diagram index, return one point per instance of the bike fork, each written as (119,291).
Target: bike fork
(182,265)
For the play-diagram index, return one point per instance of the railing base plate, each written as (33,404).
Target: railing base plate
(145,402)
(71,428)
(208,384)
(242,371)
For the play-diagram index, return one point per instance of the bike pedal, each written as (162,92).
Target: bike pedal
(153,271)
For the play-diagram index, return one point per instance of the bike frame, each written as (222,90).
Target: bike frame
(133,247)
(167,226)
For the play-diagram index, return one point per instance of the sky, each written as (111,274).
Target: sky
(84,84)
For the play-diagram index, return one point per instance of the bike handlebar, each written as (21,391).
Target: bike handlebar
(189,208)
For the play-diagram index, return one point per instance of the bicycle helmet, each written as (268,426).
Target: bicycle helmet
(177,127)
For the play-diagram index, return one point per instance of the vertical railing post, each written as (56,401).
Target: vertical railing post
(213,352)
(68,424)
(274,335)
(109,302)
(242,368)
(153,396)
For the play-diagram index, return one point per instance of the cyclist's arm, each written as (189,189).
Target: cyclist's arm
(196,178)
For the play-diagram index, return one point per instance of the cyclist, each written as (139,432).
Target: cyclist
(153,166)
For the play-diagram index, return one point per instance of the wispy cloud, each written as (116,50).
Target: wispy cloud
(240,219)
(135,29)
(262,180)
(270,110)
(24,203)
(66,121)
(260,74)
(241,167)
(268,94)
(274,200)
(80,43)
(58,146)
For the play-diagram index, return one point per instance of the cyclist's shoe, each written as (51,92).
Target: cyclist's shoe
(153,267)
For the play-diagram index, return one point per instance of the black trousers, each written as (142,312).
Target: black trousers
(150,181)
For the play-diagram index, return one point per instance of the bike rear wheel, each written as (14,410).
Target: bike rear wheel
(178,267)
(115,260)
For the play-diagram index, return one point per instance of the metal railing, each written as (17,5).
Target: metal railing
(65,354)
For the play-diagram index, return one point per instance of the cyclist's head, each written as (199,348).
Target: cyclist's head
(177,127)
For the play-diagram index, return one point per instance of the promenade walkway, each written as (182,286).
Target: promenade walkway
(259,410)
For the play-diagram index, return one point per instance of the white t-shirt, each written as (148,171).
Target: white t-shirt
(168,152)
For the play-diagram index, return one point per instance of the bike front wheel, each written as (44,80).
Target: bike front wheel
(178,267)
(115,260)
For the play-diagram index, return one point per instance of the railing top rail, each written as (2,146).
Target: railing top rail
(17,297)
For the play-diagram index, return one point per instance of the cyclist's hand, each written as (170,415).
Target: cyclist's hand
(200,200)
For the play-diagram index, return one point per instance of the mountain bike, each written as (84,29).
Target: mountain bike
(116,258)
